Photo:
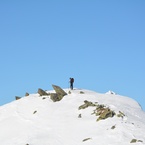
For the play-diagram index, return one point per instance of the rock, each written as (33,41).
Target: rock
(87,104)
(17,98)
(106,113)
(120,114)
(59,91)
(34,112)
(80,116)
(133,141)
(42,92)
(101,110)
(86,139)
(55,97)
(69,92)
(81,92)
(27,94)
(113,127)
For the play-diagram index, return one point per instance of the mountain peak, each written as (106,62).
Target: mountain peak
(74,120)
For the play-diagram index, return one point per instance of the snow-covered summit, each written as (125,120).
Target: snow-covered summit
(35,120)
(110,92)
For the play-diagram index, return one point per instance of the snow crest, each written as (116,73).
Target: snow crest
(35,120)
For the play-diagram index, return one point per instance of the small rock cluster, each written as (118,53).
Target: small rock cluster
(101,111)
(60,93)
(135,140)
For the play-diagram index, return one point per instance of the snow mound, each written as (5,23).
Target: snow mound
(35,120)
(111,92)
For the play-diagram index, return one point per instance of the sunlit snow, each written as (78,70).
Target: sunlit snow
(35,120)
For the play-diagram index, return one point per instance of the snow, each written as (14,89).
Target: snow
(36,120)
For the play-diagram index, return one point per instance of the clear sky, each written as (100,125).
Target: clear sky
(101,43)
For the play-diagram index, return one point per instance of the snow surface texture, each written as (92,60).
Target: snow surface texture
(36,120)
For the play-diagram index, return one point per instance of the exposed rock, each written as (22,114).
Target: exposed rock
(133,141)
(55,97)
(34,112)
(113,127)
(120,114)
(101,110)
(69,92)
(87,104)
(17,98)
(105,114)
(42,92)
(59,90)
(27,94)
(86,139)
(81,92)
(60,93)
(80,116)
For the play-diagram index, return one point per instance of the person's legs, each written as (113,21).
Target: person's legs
(71,86)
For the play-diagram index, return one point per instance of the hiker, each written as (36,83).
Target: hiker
(71,83)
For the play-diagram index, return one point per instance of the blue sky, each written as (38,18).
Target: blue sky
(100,43)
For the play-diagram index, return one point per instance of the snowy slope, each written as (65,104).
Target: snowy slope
(36,120)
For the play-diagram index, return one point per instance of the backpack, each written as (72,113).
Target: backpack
(72,80)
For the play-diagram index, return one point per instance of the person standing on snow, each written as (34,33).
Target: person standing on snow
(71,83)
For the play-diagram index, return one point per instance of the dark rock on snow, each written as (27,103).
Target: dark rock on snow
(42,92)
(17,98)
(59,90)
(27,94)
(60,93)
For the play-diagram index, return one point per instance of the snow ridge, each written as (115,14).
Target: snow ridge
(37,120)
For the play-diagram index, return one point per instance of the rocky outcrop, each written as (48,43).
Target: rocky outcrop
(101,110)
(86,104)
(59,90)
(42,92)
(60,93)
(105,113)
